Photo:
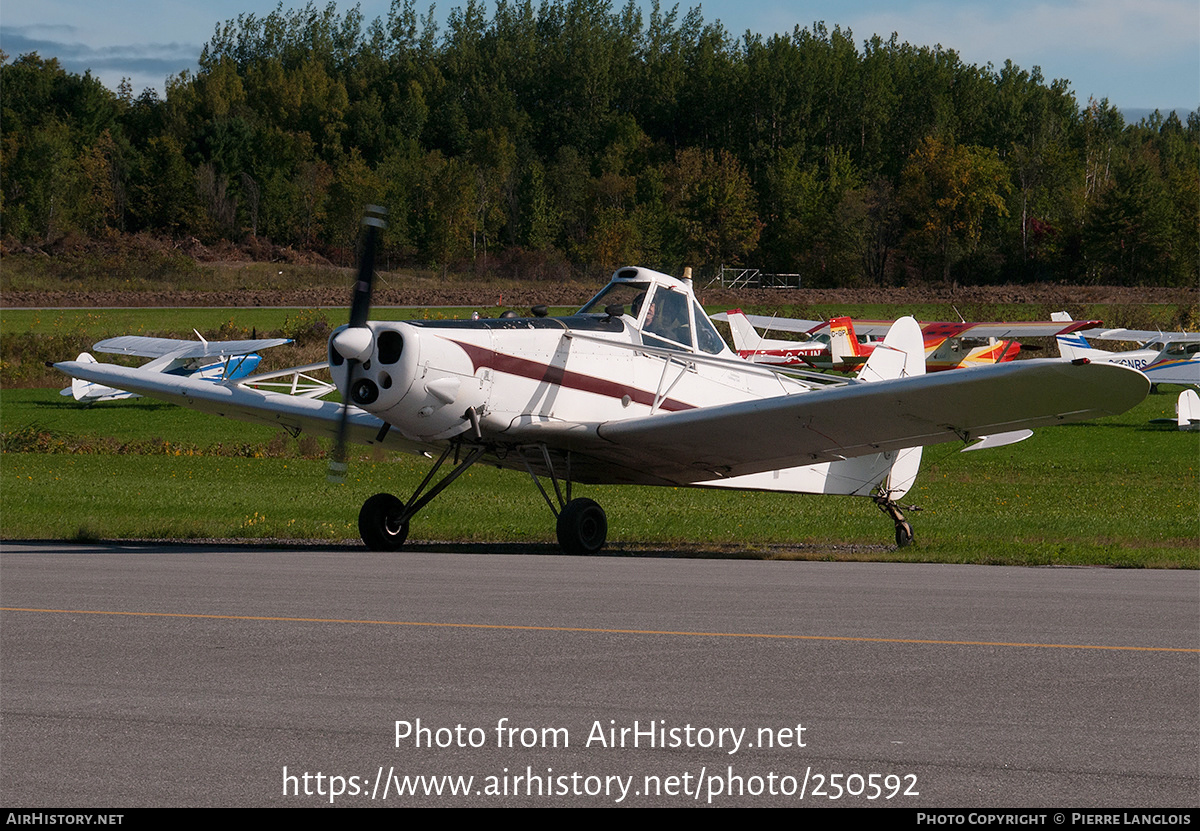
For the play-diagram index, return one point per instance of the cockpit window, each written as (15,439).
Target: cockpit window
(626,295)
(707,339)
(666,318)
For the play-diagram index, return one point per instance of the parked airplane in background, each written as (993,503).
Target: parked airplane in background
(1165,357)
(212,361)
(837,348)
(1187,412)
(838,343)
(637,387)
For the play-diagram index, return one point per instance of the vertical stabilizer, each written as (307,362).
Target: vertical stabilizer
(902,353)
(1187,410)
(843,343)
(745,338)
(1074,345)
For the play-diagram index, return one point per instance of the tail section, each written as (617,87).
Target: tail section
(1187,410)
(1074,345)
(87,392)
(902,354)
(745,338)
(843,343)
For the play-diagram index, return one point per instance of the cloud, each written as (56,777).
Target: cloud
(145,64)
(1120,29)
(1134,52)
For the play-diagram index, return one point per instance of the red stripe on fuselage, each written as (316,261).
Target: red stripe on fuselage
(481,356)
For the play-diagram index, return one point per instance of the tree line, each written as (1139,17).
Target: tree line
(579,134)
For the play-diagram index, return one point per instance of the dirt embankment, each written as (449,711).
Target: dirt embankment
(83,272)
(486,294)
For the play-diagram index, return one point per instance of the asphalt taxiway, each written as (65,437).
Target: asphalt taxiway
(158,675)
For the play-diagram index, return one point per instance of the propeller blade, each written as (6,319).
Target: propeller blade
(360,307)
(355,343)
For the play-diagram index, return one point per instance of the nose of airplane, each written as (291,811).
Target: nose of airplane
(352,343)
(373,364)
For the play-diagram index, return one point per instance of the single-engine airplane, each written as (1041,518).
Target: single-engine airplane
(212,361)
(838,343)
(637,387)
(1165,357)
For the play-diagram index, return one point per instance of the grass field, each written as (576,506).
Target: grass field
(1114,492)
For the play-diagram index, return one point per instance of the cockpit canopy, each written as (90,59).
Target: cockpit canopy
(663,309)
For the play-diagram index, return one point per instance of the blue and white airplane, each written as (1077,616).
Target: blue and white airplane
(1165,357)
(214,361)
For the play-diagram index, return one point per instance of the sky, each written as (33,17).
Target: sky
(1139,54)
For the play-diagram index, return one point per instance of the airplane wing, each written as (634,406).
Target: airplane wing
(158,347)
(275,409)
(1002,330)
(710,443)
(860,419)
(1142,335)
(780,324)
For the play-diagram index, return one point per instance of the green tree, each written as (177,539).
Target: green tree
(713,206)
(947,193)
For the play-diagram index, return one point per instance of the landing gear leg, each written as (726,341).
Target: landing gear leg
(582,525)
(904,531)
(383,520)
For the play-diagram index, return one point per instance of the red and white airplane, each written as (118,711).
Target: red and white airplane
(637,387)
(836,344)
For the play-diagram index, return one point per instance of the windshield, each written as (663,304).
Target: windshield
(627,295)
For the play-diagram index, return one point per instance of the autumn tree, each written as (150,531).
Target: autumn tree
(948,192)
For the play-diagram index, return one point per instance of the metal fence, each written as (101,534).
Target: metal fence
(752,278)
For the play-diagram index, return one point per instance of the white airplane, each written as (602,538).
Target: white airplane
(1165,357)
(212,361)
(637,387)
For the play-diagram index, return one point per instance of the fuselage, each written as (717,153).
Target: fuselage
(658,352)
(1163,362)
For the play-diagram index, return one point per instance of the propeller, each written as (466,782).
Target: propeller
(355,342)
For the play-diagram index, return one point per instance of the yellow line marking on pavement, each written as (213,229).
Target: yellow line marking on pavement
(515,627)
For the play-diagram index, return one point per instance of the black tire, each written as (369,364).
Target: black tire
(904,534)
(582,527)
(377,523)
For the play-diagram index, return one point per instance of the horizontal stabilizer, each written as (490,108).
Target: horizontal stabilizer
(999,440)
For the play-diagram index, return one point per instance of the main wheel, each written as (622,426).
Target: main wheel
(377,523)
(904,534)
(582,527)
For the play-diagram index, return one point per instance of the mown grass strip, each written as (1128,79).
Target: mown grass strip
(1117,492)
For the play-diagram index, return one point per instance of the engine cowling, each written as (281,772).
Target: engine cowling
(419,382)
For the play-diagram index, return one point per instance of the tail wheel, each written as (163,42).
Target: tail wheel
(582,527)
(904,534)
(379,525)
